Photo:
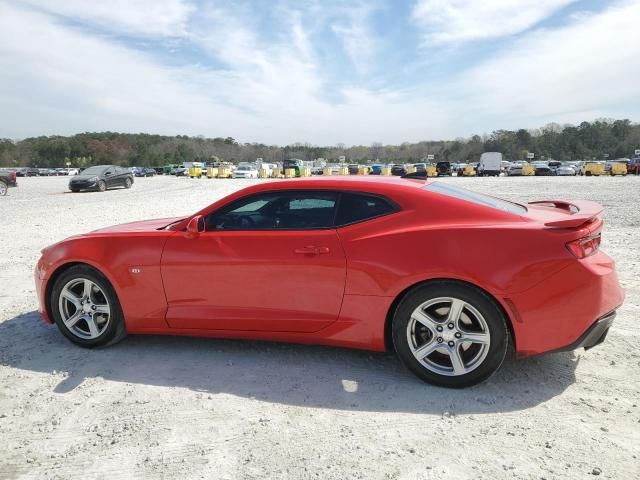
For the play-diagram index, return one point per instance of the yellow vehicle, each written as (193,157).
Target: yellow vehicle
(466,170)
(195,172)
(431,171)
(592,169)
(618,168)
(528,170)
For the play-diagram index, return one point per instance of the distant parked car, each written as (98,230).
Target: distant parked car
(542,170)
(101,178)
(514,170)
(443,169)
(246,171)
(7,179)
(150,172)
(634,166)
(566,171)
(43,172)
(398,170)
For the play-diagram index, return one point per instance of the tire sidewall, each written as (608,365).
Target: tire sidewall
(102,186)
(116,322)
(492,314)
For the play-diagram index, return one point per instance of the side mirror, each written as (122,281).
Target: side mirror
(195,227)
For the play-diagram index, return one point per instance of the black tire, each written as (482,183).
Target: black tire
(4,188)
(102,186)
(115,329)
(483,303)
(74,190)
(127,183)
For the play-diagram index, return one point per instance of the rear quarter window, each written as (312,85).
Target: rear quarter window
(475,197)
(358,207)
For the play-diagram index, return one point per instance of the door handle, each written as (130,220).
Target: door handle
(312,250)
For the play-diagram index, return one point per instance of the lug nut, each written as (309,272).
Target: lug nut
(93,307)
(451,344)
(458,335)
(439,328)
(450,326)
(440,340)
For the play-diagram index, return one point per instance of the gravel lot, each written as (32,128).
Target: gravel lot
(159,407)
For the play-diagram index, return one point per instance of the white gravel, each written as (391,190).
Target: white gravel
(160,407)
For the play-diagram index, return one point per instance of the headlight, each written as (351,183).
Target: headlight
(93,179)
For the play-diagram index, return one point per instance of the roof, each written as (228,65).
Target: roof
(348,181)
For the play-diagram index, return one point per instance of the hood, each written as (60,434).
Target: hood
(141,226)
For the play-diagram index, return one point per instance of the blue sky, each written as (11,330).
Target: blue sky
(322,72)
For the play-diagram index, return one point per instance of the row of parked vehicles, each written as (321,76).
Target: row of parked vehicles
(45,172)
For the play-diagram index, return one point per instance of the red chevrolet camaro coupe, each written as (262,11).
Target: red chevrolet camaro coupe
(442,275)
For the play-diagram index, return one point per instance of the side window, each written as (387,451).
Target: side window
(357,207)
(286,210)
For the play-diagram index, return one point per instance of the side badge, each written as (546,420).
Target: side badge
(134,270)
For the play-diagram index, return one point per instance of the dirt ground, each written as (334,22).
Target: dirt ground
(160,407)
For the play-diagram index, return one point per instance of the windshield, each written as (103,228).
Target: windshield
(474,197)
(93,170)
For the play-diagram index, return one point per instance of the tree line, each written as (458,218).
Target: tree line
(588,140)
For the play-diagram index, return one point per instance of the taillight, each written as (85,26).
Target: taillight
(584,247)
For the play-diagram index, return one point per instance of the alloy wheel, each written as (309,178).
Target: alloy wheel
(84,308)
(448,336)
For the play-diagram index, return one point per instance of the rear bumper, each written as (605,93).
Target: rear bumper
(567,310)
(594,335)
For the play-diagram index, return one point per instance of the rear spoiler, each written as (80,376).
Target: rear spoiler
(580,212)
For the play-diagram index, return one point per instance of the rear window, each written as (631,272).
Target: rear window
(474,197)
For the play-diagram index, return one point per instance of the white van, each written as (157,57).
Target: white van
(490,164)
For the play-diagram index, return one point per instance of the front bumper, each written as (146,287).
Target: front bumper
(82,185)
(41,286)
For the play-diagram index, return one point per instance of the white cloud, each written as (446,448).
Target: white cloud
(135,17)
(356,36)
(60,79)
(457,21)
(588,66)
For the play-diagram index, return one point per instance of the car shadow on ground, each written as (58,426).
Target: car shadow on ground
(312,376)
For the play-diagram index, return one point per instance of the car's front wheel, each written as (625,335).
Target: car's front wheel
(3,188)
(127,183)
(450,334)
(85,308)
(102,186)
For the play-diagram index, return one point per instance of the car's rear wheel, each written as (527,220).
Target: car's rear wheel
(450,334)
(102,186)
(85,308)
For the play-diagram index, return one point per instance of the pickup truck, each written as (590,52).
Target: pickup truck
(7,179)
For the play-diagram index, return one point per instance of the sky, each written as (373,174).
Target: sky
(316,71)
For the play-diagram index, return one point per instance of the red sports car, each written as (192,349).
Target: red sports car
(442,275)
